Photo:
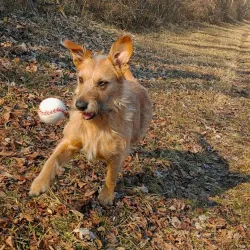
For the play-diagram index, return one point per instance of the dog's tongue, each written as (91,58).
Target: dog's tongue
(87,116)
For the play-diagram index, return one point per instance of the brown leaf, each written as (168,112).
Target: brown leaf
(19,161)
(16,60)
(112,239)
(9,241)
(77,213)
(7,153)
(211,247)
(3,221)
(6,44)
(176,222)
(31,96)
(31,68)
(28,217)
(81,184)
(220,223)
(101,229)
(240,228)
(33,155)
(7,116)
(99,243)
(170,247)
(20,26)
(90,193)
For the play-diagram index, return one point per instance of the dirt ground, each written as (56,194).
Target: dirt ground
(186,186)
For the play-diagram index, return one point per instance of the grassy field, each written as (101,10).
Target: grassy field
(186,186)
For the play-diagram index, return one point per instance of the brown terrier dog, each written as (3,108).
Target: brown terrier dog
(111,111)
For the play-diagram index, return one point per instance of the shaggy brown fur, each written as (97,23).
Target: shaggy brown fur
(111,111)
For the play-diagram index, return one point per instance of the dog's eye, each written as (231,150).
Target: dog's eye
(102,83)
(80,80)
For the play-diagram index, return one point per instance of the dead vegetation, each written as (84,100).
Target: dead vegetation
(140,15)
(186,186)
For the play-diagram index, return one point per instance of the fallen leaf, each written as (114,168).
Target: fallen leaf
(89,193)
(77,213)
(220,223)
(84,232)
(9,241)
(198,226)
(23,47)
(7,153)
(7,116)
(81,184)
(31,68)
(99,243)
(176,222)
(33,155)
(101,229)
(28,217)
(19,161)
(20,26)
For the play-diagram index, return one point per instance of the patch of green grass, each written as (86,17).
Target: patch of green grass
(63,225)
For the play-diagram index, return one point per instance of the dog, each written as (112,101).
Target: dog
(110,113)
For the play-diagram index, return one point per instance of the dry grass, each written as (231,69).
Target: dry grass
(194,161)
(140,15)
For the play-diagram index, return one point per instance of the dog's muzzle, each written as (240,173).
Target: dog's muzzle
(82,106)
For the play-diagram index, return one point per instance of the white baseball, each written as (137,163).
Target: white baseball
(51,110)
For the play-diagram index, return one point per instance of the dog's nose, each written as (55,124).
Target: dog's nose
(81,105)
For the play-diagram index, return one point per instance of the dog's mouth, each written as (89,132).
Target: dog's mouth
(88,115)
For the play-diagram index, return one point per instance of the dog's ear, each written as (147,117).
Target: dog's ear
(78,52)
(121,51)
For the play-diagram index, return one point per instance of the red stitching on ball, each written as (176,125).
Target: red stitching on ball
(53,111)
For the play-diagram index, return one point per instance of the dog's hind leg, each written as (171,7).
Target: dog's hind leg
(63,152)
(106,195)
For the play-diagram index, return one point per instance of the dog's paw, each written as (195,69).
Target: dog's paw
(106,198)
(38,186)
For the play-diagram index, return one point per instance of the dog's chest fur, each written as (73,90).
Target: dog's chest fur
(100,143)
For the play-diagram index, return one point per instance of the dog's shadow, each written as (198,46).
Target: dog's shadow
(194,176)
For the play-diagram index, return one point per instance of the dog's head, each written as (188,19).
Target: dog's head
(100,78)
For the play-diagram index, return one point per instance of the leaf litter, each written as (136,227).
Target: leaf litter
(186,186)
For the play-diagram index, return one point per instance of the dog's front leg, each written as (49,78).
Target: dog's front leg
(106,195)
(61,154)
